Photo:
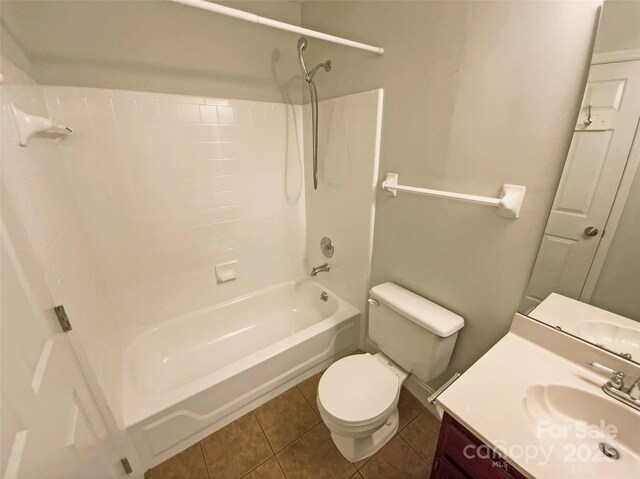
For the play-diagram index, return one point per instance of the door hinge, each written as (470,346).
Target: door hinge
(125,465)
(63,319)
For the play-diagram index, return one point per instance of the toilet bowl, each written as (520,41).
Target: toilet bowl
(358,395)
(358,402)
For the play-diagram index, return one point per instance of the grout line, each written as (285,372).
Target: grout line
(257,466)
(414,450)
(268,443)
(204,459)
(305,397)
(429,462)
(280,466)
(264,434)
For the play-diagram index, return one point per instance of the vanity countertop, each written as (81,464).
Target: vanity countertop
(527,401)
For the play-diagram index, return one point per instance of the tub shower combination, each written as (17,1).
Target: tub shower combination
(190,375)
(166,189)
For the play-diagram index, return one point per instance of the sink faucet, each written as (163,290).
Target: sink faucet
(615,387)
(319,269)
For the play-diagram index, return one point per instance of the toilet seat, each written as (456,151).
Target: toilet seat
(358,390)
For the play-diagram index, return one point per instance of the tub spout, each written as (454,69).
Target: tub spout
(319,269)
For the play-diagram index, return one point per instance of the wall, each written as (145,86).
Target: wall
(477,94)
(169,186)
(158,46)
(343,206)
(619,27)
(34,181)
(617,287)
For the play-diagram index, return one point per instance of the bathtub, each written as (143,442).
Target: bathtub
(188,376)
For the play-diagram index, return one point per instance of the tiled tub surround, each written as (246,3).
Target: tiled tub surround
(168,186)
(189,376)
(286,439)
(343,206)
(130,214)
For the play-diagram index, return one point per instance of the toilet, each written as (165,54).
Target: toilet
(358,395)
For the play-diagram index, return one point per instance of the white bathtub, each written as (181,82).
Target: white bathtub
(190,375)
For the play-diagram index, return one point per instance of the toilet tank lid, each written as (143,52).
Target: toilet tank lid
(420,310)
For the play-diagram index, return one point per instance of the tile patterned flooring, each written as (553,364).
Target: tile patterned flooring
(286,439)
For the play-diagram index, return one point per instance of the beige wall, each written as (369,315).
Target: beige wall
(619,27)
(617,287)
(477,94)
(157,46)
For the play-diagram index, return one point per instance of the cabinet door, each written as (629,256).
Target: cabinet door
(51,427)
(446,470)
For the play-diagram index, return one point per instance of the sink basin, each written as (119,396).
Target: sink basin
(614,337)
(571,423)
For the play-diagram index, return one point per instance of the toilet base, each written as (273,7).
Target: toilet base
(356,449)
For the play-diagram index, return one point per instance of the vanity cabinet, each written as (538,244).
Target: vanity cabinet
(461,455)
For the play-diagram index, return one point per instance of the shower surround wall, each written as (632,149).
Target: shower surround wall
(169,186)
(343,206)
(130,214)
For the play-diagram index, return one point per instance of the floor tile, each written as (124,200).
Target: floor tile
(236,448)
(268,470)
(396,460)
(315,456)
(189,464)
(422,434)
(362,462)
(357,475)
(408,408)
(285,418)
(309,389)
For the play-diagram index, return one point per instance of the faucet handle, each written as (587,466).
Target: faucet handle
(617,379)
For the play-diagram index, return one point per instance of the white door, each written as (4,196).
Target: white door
(50,427)
(590,179)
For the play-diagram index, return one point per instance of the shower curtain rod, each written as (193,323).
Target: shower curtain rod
(250,17)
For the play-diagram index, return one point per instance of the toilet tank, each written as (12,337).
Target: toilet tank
(412,331)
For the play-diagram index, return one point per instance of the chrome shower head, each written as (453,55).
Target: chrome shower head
(308,75)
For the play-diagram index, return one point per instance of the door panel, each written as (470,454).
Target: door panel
(51,427)
(589,183)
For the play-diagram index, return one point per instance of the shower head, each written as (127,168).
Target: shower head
(326,65)
(308,75)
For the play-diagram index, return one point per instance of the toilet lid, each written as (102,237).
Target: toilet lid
(357,389)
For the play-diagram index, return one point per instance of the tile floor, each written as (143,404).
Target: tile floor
(286,439)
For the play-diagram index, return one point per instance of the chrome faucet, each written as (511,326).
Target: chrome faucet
(615,387)
(319,269)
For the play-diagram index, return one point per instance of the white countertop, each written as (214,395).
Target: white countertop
(498,399)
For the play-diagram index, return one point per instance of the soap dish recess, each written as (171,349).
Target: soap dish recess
(227,271)
(28,125)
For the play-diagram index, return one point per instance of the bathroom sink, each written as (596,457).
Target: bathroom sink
(546,412)
(573,423)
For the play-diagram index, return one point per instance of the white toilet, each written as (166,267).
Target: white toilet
(358,395)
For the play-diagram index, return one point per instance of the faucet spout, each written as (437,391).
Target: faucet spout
(320,269)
